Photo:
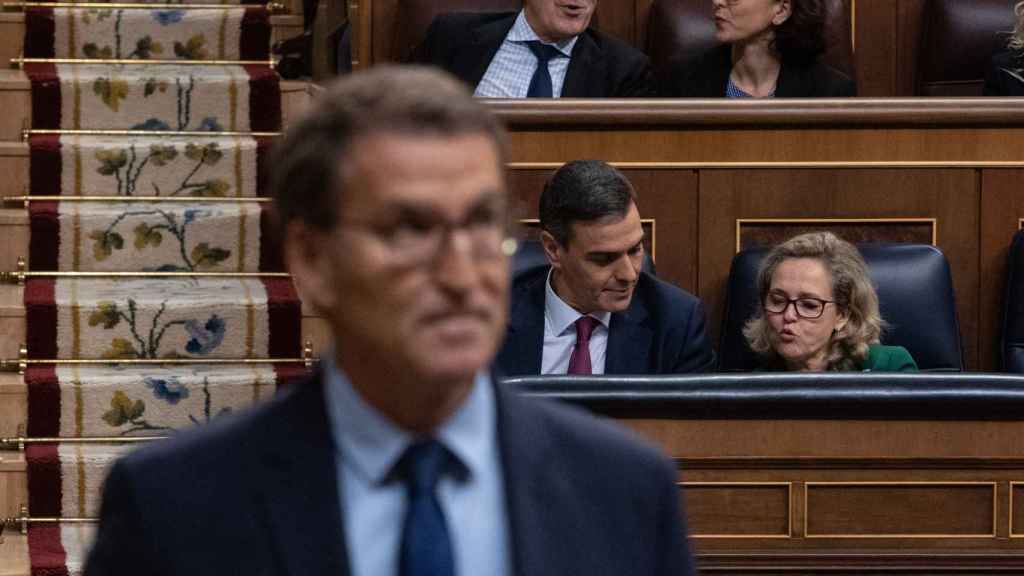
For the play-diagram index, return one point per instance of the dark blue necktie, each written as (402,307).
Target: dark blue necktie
(426,548)
(540,84)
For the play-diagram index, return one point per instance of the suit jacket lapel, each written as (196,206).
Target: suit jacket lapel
(629,340)
(586,67)
(524,348)
(298,486)
(471,63)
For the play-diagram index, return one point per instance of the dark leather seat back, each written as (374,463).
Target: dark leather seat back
(413,17)
(1012,342)
(915,292)
(958,39)
(531,255)
(681,30)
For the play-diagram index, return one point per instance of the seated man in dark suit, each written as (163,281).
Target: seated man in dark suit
(400,456)
(545,50)
(593,311)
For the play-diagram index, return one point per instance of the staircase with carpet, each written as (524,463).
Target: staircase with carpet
(152,297)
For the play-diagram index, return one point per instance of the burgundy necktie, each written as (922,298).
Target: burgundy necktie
(579,362)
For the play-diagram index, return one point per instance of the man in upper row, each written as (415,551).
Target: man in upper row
(546,50)
(593,310)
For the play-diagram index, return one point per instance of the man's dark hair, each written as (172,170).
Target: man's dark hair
(307,163)
(801,38)
(583,191)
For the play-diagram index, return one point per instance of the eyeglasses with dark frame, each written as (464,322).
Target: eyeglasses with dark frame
(417,239)
(805,307)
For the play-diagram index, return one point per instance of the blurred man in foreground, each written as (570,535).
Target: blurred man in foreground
(400,456)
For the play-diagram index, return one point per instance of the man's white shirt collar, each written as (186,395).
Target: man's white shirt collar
(560,316)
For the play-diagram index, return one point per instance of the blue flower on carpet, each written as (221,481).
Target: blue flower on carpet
(210,124)
(152,124)
(170,389)
(207,337)
(168,17)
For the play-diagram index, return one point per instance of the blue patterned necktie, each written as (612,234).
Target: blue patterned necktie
(540,84)
(426,547)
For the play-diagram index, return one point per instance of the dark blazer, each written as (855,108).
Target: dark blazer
(708,76)
(662,331)
(257,494)
(600,67)
(999,82)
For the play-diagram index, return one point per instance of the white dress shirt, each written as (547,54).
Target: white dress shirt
(560,335)
(510,72)
(373,504)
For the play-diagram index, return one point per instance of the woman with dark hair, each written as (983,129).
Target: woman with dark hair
(770,50)
(1005,74)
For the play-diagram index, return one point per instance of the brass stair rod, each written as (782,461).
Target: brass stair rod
(22,273)
(21,61)
(18,443)
(23,361)
(22,520)
(272,7)
(19,277)
(122,199)
(28,132)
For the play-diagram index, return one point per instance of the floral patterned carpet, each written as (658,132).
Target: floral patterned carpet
(164,116)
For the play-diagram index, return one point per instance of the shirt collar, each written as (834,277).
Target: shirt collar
(522,32)
(372,444)
(560,316)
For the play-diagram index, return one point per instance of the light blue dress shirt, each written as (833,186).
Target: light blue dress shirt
(373,505)
(509,74)
(560,335)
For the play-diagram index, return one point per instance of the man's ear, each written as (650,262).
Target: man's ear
(783,11)
(552,249)
(307,257)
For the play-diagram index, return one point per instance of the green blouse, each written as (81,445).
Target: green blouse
(889,359)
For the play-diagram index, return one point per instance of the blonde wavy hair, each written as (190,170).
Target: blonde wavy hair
(852,291)
(1017,39)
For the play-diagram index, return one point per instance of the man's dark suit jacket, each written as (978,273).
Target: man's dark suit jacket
(662,331)
(257,494)
(600,67)
(708,76)
(998,82)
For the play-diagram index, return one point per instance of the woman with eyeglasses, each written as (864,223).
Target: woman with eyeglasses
(1005,74)
(819,311)
(770,49)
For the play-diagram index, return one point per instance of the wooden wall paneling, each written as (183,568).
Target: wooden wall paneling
(669,197)
(767,144)
(916,509)
(1002,207)
(384,14)
(738,509)
(617,18)
(360,13)
(951,196)
(874,41)
(909,25)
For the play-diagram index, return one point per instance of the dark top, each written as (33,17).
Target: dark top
(600,67)
(257,494)
(708,76)
(661,332)
(1005,75)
